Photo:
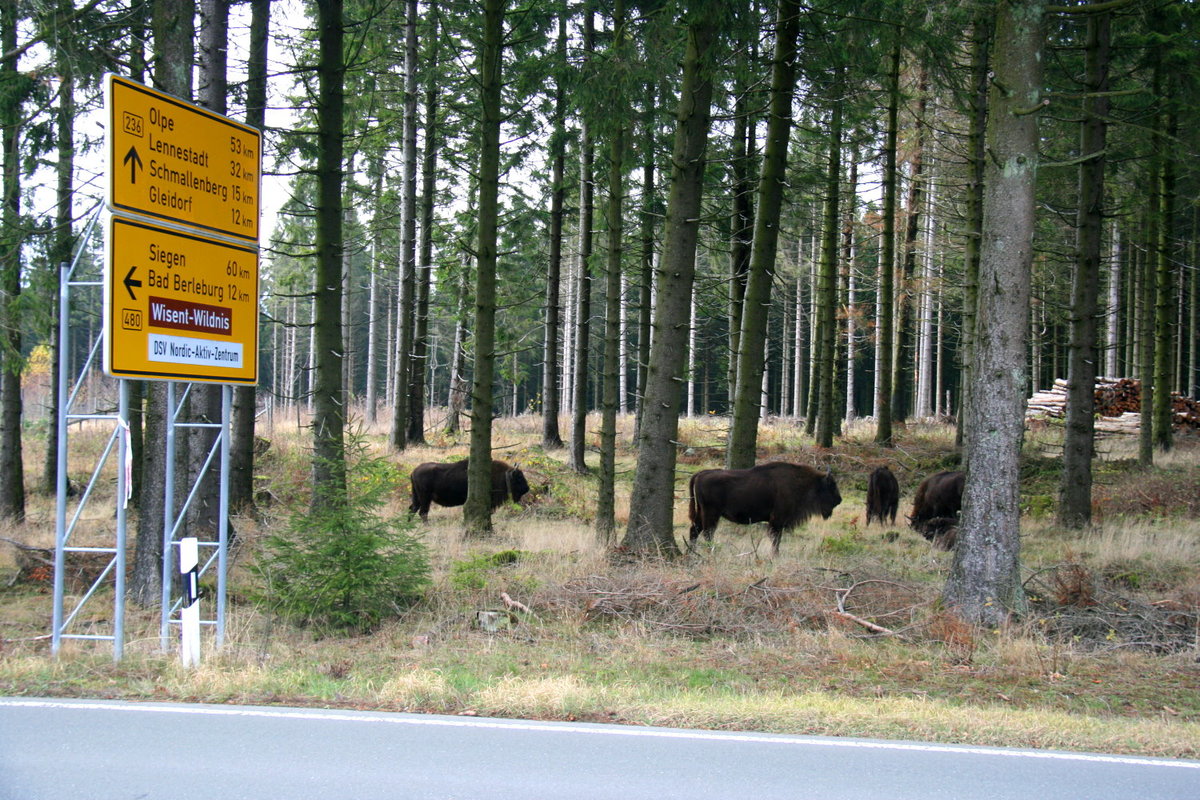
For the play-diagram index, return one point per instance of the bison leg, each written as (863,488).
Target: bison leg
(776,536)
(701,525)
(420,504)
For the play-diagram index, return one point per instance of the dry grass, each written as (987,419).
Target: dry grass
(728,639)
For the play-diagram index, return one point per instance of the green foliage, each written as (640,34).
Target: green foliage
(473,573)
(343,566)
(847,545)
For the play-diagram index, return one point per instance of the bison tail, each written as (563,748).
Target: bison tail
(693,508)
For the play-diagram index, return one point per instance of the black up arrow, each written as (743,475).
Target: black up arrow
(130,283)
(134,161)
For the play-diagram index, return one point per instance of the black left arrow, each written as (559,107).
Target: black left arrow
(130,283)
(134,161)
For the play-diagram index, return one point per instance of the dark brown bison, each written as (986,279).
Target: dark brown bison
(780,494)
(446,485)
(883,496)
(936,506)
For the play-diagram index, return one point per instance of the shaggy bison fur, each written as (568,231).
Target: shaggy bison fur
(780,494)
(446,484)
(936,506)
(883,496)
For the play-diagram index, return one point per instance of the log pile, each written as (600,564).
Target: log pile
(1118,403)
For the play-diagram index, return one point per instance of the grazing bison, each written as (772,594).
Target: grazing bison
(446,485)
(883,495)
(780,494)
(936,506)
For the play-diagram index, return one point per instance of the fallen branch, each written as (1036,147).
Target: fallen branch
(871,626)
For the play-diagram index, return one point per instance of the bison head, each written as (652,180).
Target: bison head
(828,496)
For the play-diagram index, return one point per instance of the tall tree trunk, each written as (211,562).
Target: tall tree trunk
(1164,272)
(13,87)
(63,242)
(1075,493)
(984,584)
(328,396)
(651,505)
(743,432)
(826,338)
(477,513)
(606,519)
(245,399)
(205,403)
(174,28)
(645,289)
(903,382)
(583,290)
(429,160)
(456,399)
(406,311)
(887,258)
(1147,285)
(742,223)
(849,218)
(551,438)
(981,38)
(375,178)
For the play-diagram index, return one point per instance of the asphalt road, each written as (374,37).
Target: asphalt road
(95,750)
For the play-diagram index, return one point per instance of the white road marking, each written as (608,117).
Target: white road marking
(613,730)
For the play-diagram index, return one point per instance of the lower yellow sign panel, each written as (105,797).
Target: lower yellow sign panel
(179,306)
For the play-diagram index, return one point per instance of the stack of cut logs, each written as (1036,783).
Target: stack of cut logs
(1118,405)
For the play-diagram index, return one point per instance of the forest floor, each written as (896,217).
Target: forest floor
(841,634)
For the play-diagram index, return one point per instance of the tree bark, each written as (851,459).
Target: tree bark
(646,287)
(743,432)
(174,28)
(328,396)
(13,88)
(63,243)
(1075,494)
(981,37)
(887,258)
(551,437)
(406,312)
(1164,273)
(606,519)
(651,506)
(477,513)
(826,338)
(583,287)
(984,584)
(245,398)
(429,160)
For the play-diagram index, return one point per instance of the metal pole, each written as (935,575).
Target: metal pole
(223,526)
(168,517)
(123,478)
(60,511)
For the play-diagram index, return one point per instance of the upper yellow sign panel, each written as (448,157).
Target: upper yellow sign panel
(175,161)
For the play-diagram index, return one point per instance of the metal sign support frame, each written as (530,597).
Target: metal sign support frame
(119,441)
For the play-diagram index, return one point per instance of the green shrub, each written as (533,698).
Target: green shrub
(341,566)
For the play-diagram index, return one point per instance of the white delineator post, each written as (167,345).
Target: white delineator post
(189,564)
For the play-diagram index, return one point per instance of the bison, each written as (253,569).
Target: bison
(936,506)
(883,496)
(780,494)
(446,485)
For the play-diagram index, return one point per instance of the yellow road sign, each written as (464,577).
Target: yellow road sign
(179,306)
(174,161)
